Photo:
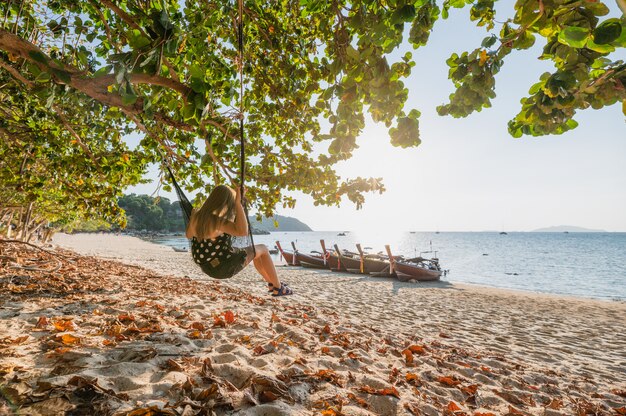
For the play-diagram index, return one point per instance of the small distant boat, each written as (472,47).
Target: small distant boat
(503,233)
(419,268)
(341,234)
(181,249)
(288,256)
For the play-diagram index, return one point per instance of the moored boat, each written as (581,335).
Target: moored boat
(419,268)
(289,257)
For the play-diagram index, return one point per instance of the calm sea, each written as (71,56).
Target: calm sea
(591,265)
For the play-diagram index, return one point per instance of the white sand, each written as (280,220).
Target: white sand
(533,353)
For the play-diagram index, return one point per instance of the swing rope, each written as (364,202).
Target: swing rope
(182,198)
(241,117)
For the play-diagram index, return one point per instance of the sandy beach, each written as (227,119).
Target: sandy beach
(125,326)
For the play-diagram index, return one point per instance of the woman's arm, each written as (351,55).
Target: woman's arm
(239,228)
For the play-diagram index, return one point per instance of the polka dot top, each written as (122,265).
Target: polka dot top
(214,252)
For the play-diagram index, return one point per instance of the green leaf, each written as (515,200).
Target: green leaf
(574,36)
(489,41)
(607,32)
(603,49)
(137,40)
(38,57)
(103,71)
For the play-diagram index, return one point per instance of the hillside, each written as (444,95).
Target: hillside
(284,224)
(567,228)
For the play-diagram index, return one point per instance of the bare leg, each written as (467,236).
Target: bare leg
(265,266)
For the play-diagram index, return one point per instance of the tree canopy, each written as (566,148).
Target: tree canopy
(77,76)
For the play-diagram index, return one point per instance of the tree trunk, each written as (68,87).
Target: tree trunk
(25,221)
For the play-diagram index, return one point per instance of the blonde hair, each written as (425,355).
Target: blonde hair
(218,208)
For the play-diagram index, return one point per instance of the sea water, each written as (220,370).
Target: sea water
(591,265)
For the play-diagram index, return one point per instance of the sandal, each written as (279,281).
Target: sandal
(270,287)
(283,291)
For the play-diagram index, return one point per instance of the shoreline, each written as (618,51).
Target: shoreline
(165,337)
(460,284)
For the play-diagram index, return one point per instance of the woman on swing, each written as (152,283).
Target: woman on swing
(211,229)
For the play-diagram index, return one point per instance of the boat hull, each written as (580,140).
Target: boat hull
(311,261)
(406,272)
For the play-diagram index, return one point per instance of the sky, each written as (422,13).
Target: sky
(470,174)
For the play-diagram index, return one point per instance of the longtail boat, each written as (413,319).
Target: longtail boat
(371,265)
(288,256)
(310,260)
(350,261)
(333,261)
(419,268)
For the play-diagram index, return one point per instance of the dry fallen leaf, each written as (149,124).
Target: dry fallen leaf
(229,317)
(452,407)
(391,391)
(408,355)
(42,322)
(63,325)
(448,381)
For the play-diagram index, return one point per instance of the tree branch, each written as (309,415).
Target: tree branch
(131,22)
(77,138)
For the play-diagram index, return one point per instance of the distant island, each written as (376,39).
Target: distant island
(566,229)
(278,223)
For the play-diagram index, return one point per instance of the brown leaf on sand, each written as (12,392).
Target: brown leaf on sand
(448,381)
(514,411)
(408,355)
(52,406)
(470,390)
(330,376)
(197,326)
(325,350)
(229,317)
(417,349)
(555,404)
(42,322)
(126,318)
(358,401)
(413,379)
(331,411)
(413,409)
(63,325)
(67,339)
(172,365)
(452,407)
(391,391)
(393,376)
(14,341)
(218,322)
(514,399)
(484,414)
(269,389)
(259,350)
(214,395)
(621,410)
(151,411)
(621,393)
